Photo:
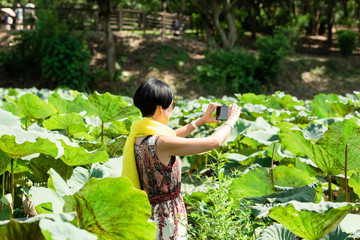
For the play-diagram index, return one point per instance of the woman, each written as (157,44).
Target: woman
(151,153)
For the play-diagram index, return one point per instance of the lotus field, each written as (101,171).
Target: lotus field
(289,170)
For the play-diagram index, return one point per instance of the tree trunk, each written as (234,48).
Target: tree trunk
(346,13)
(231,23)
(209,31)
(255,11)
(316,14)
(330,20)
(110,47)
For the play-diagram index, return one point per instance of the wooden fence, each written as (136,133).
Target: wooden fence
(121,20)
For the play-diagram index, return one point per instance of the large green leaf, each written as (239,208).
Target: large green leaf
(41,165)
(321,107)
(27,230)
(62,121)
(329,152)
(4,162)
(75,155)
(55,225)
(32,107)
(257,182)
(116,211)
(41,195)
(110,107)
(276,231)
(262,132)
(54,230)
(14,149)
(309,220)
(289,176)
(9,120)
(354,182)
(307,193)
(77,105)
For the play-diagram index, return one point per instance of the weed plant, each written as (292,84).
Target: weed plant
(216,215)
(346,42)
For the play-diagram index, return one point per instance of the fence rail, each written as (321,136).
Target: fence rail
(120,20)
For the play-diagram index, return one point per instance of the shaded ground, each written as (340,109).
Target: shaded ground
(314,69)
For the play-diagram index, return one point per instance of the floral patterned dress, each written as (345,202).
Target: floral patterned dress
(162,183)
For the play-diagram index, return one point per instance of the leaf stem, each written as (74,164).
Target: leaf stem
(272,166)
(330,188)
(12,187)
(102,132)
(3,183)
(346,181)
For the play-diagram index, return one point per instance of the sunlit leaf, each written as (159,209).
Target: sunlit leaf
(276,231)
(109,214)
(110,107)
(75,155)
(77,105)
(309,220)
(32,107)
(62,121)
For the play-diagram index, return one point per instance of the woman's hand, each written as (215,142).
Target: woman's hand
(233,113)
(208,115)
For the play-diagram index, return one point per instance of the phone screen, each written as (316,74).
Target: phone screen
(222,113)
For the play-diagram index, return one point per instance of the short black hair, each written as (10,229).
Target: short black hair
(152,93)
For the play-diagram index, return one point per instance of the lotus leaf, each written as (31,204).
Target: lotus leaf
(41,165)
(32,107)
(329,152)
(289,176)
(29,228)
(354,182)
(307,193)
(336,234)
(262,132)
(63,230)
(79,104)
(40,195)
(111,108)
(276,231)
(116,211)
(4,162)
(13,149)
(62,121)
(257,182)
(309,220)
(9,120)
(75,156)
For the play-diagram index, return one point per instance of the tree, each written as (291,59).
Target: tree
(105,9)
(212,11)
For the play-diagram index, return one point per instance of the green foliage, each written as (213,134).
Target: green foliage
(216,216)
(66,62)
(309,220)
(346,42)
(272,51)
(232,70)
(52,49)
(171,56)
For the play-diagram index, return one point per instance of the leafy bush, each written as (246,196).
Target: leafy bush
(171,56)
(346,42)
(66,62)
(216,216)
(233,70)
(272,51)
(52,49)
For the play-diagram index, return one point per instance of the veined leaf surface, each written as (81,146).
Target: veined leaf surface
(116,211)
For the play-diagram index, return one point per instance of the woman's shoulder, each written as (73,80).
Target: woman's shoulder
(148,140)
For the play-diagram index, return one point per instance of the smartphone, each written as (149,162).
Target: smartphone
(222,113)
